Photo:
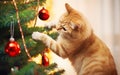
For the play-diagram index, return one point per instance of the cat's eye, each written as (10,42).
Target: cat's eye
(63,28)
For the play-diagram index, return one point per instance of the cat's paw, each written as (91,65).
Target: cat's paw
(37,35)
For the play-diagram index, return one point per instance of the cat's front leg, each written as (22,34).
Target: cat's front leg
(42,37)
(38,36)
(50,43)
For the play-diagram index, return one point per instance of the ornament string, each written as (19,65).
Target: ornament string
(20,28)
(12,29)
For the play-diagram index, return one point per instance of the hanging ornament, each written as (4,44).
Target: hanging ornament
(12,48)
(45,59)
(43,14)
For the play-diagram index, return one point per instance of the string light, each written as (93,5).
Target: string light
(20,28)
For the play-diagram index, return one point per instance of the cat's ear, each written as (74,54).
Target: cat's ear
(74,26)
(68,8)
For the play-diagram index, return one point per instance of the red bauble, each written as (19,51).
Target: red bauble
(45,60)
(43,14)
(12,48)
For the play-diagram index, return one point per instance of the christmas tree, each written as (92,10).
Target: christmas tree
(18,20)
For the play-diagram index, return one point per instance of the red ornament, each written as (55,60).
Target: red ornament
(45,60)
(43,14)
(12,48)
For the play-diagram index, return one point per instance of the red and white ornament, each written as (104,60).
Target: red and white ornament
(43,14)
(12,48)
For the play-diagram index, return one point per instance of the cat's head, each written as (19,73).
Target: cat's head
(73,24)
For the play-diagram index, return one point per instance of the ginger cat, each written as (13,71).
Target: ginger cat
(77,41)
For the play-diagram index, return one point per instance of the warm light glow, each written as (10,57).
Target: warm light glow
(37,59)
(49,5)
